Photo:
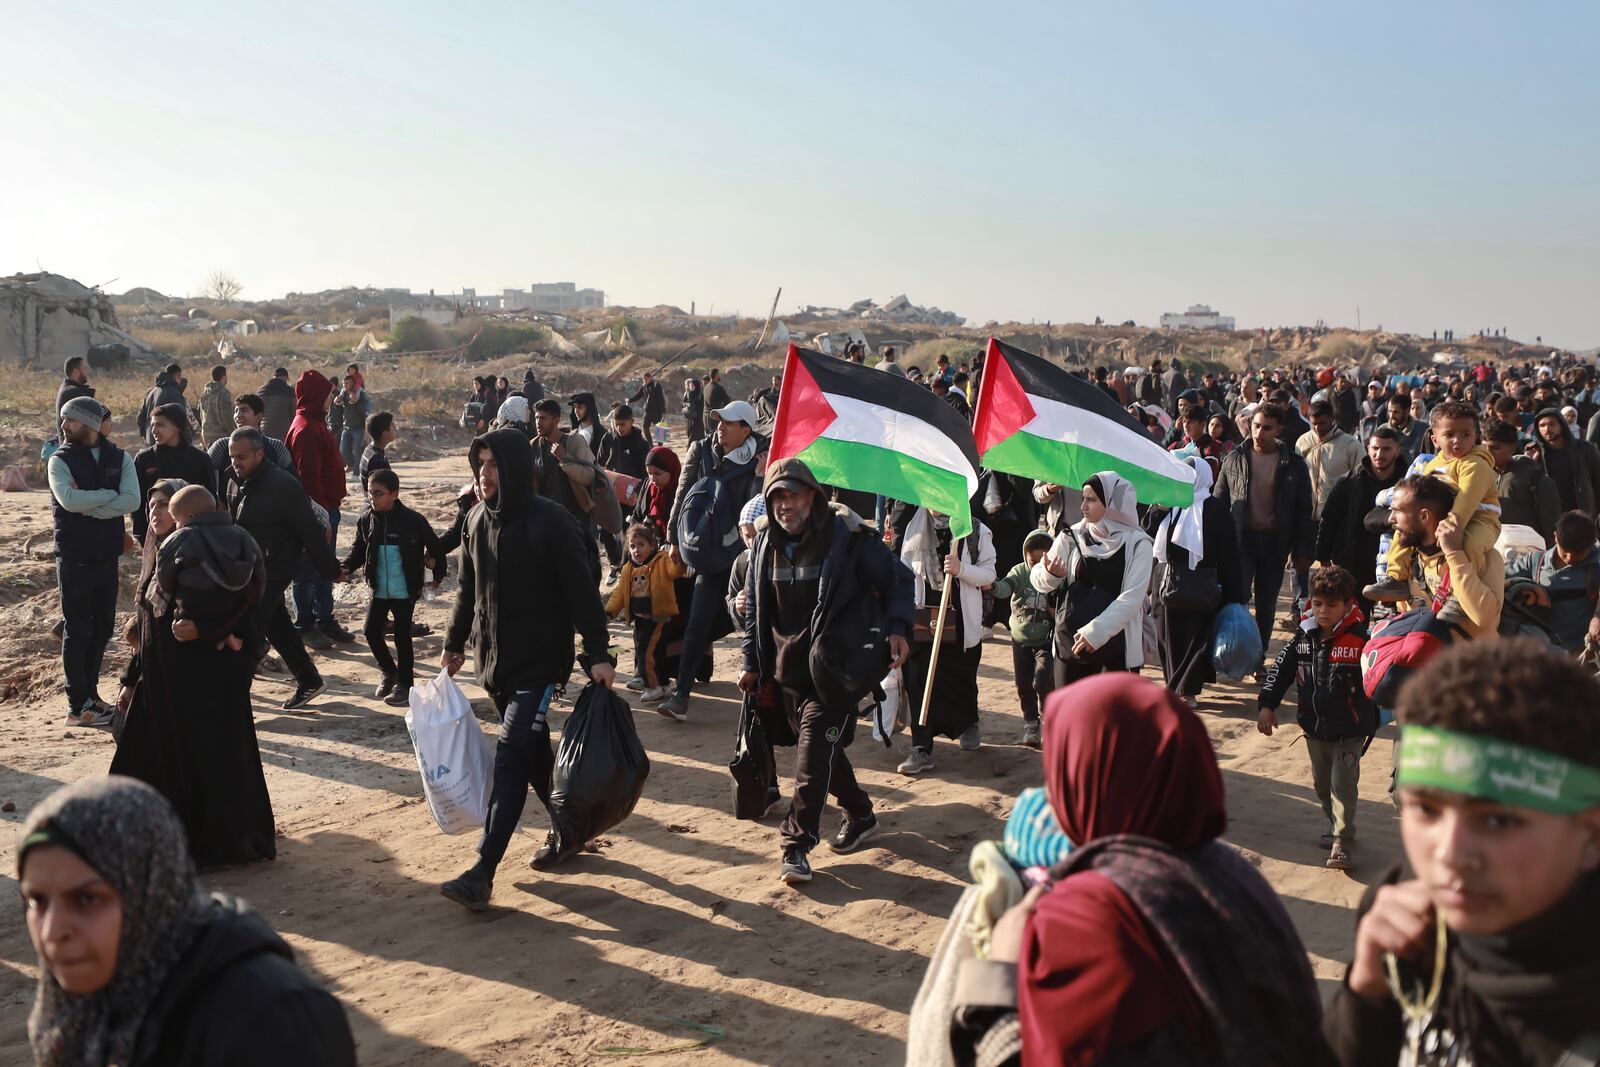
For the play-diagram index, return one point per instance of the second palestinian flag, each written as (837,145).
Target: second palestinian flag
(873,432)
(1037,420)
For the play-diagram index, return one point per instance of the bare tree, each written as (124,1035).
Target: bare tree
(223,287)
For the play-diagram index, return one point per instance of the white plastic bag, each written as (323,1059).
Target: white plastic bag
(456,760)
(886,721)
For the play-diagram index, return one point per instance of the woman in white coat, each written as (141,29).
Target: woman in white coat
(1104,561)
(953,712)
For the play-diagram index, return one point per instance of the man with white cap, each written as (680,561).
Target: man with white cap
(92,486)
(703,532)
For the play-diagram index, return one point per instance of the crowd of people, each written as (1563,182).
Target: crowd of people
(1413,523)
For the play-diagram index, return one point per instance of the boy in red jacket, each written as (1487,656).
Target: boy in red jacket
(316,457)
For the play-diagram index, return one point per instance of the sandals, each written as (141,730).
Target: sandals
(1339,857)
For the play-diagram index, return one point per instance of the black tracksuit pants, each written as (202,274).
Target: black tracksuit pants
(378,613)
(522,758)
(1034,670)
(275,624)
(821,770)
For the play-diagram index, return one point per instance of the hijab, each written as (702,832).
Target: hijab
(128,833)
(1118,526)
(1186,526)
(658,501)
(167,487)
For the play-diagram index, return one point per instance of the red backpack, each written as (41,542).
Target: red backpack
(1398,648)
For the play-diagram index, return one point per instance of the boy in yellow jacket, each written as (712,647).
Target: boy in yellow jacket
(644,595)
(1463,460)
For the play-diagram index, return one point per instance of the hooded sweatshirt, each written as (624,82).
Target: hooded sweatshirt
(524,574)
(1575,469)
(158,462)
(316,453)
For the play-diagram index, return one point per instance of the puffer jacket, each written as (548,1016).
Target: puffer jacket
(1326,672)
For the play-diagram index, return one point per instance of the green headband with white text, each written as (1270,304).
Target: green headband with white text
(1480,766)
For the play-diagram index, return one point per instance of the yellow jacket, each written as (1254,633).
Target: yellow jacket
(1477,484)
(663,597)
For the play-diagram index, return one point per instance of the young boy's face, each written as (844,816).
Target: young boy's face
(1328,611)
(1455,437)
(640,548)
(1488,866)
(747,532)
(624,427)
(1033,555)
(381,499)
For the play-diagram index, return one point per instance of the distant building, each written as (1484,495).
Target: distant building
(1198,317)
(438,314)
(544,296)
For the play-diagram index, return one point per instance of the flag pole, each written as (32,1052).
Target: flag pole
(938,636)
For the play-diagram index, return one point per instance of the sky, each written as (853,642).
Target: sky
(1420,165)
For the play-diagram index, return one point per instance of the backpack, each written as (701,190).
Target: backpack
(471,415)
(598,499)
(708,523)
(850,658)
(1398,648)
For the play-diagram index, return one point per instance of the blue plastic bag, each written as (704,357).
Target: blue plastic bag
(1033,838)
(1235,643)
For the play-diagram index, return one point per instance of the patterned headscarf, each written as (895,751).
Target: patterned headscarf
(127,832)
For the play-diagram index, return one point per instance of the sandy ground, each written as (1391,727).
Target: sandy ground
(679,916)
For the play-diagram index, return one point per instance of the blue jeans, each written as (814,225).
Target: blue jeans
(313,594)
(89,608)
(351,447)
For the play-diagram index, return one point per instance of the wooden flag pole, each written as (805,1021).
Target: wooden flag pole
(938,636)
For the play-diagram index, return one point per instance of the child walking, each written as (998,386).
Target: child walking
(1032,624)
(644,595)
(1466,462)
(1324,663)
(393,546)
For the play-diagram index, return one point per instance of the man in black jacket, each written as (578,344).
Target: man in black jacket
(171,456)
(525,588)
(167,390)
(655,403)
(277,396)
(74,383)
(716,393)
(1528,497)
(248,410)
(1342,533)
(1268,492)
(623,448)
(269,504)
(807,567)
(729,456)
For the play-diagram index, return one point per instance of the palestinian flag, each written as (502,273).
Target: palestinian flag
(863,429)
(1036,420)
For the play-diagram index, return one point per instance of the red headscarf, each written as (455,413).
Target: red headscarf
(1121,756)
(658,501)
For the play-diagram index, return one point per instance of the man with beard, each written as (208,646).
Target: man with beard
(92,486)
(1342,534)
(524,590)
(1469,597)
(1528,497)
(1572,464)
(805,571)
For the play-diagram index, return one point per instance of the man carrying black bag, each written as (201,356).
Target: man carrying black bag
(525,577)
(816,574)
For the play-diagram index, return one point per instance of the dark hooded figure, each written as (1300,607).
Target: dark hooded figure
(172,456)
(526,587)
(138,966)
(190,731)
(1573,464)
(1153,942)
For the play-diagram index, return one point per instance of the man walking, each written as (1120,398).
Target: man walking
(216,407)
(525,589)
(248,409)
(807,568)
(1343,537)
(348,421)
(654,404)
(1268,492)
(717,480)
(92,486)
(267,502)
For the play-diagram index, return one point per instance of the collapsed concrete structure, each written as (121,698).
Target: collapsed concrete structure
(44,318)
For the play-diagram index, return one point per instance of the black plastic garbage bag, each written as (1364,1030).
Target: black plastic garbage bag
(751,765)
(600,771)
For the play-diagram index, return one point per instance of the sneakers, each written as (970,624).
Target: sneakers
(852,832)
(674,707)
(1030,734)
(385,687)
(316,639)
(795,869)
(332,629)
(400,698)
(650,696)
(972,738)
(1339,857)
(920,760)
(547,856)
(303,694)
(774,800)
(636,683)
(1388,591)
(471,890)
(93,713)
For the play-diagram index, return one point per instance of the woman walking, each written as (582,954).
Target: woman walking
(1104,561)
(1197,557)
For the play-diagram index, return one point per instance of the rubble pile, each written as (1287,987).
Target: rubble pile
(45,318)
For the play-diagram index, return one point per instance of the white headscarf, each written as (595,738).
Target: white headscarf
(1119,524)
(1186,525)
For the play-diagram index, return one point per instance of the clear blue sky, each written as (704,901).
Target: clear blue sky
(1437,164)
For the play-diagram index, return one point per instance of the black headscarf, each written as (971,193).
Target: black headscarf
(128,833)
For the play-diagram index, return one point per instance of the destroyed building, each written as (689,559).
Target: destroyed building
(900,309)
(45,318)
